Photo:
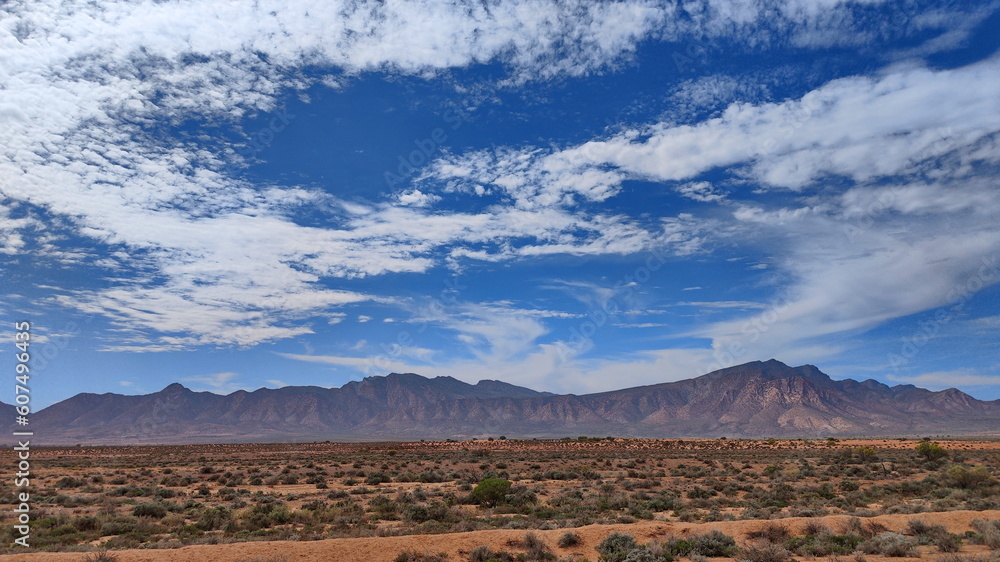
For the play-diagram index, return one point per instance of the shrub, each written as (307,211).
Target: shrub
(931,451)
(927,534)
(816,528)
(715,543)
(968,558)
(70,482)
(102,556)
(988,532)
(763,551)
(153,510)
(536,547)
(214,518)
(969,478)
(416,513)
(890,544)
(520,496)
(948,543)
(266,515)
(569,539)
(485,554)
(772,532)
(661,552)
(678,547)
(866,453)
(919,527)
(376,478)
(435,511)
(867,529)
(825,544)
(491,491)
(615,547)
(641,554)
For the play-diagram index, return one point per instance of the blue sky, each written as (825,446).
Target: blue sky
(573,197)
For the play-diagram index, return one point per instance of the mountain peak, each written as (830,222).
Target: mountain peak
(760,398)
(175,387)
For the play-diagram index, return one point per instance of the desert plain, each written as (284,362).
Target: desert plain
(500,499)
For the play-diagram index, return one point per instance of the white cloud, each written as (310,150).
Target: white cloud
(918,147)
(722,304)
(948,379)
(374,365)
(219,383)
(493,333)
(845,279)
(211,255)
(700,191)
(87,86)
(416,198)
(546,367)
(859,127)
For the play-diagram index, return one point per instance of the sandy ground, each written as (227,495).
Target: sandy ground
(457,545)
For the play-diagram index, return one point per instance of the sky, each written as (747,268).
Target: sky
(569,196)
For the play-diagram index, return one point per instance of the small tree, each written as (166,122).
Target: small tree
(866,453)
(616,546)
(970,478)
(491,491)
(931,451)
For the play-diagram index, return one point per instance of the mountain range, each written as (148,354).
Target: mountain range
(757,399)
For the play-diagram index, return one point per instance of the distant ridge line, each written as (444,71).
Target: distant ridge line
(753,400)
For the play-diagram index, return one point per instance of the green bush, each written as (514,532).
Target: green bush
(948,543)
(417,513)
(376,478)
(616,547)
(214,518)
(266,515)
(771,532)
(764,551)
(931,451)
(890,544)
(969,478)
(987,532)
(568,539)
(536,547)
(715,543)
(826,544)
(491,491)
(641,554)
(485,554)
(154,510)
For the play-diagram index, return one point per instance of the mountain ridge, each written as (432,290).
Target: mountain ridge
(756,399)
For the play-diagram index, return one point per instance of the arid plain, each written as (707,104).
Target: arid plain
(505,499)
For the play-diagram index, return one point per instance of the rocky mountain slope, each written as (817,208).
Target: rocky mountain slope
(758,399)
